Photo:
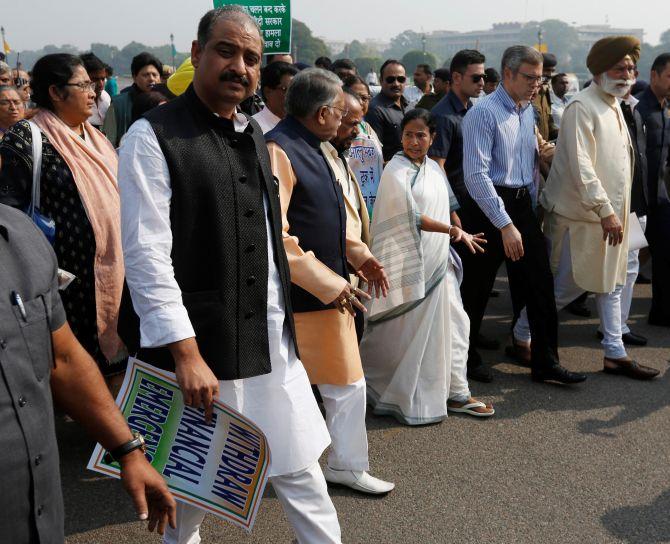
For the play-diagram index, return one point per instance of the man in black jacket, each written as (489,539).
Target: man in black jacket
(208,273)
(654,109)
(638,205)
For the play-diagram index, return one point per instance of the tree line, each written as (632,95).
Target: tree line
(560,37)
(408,46)
(306,48)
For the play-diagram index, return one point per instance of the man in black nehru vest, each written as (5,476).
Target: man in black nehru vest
(207,270)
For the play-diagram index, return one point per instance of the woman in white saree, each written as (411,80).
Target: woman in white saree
(415,346)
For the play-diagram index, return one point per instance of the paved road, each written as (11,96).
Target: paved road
(584,465)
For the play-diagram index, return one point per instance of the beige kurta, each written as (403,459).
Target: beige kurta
(358,220)
(326,339)
(590,179)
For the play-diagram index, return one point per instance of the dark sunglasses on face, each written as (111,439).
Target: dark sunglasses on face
(476,78)
(390,80)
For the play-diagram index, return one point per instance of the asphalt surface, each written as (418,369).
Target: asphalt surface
(587,464)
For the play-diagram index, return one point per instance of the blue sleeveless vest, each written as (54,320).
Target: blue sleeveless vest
(317,213)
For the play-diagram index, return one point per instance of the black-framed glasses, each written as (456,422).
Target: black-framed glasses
(530,78)
(83,87)
(390,80)
(364,97)
(20,82)
(476,78)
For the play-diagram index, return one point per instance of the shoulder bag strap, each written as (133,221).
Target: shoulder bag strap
(37,167)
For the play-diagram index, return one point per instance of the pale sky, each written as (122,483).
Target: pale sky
(31,24)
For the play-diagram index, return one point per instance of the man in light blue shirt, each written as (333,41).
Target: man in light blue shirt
(500,150)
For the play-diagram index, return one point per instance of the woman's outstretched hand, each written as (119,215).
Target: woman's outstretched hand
(473,241)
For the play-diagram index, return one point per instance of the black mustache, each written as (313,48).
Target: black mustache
(234,78)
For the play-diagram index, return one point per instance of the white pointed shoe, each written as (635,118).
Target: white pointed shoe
(358,480)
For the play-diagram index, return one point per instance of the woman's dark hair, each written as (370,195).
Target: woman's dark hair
(145,59)
(145,102)
(110,70)
(350,81)
(55,69)
(419,114)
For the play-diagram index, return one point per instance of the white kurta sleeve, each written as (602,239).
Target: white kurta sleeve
(144,183)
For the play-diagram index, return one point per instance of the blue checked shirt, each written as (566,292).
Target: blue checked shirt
(499,148)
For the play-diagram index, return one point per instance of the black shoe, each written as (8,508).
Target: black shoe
(557,373)
(480,373)
(629,338)
(659,321)
(642,280)
(483,342)
(578,308)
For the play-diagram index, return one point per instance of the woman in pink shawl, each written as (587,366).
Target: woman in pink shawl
(79,192)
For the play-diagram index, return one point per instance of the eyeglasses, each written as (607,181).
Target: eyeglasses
(83,87)
(535,80)
(6,103)
(364,97)
(344,111)
(21,82)
(392,79)
(476,78)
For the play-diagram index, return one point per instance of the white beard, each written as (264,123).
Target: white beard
(616,87)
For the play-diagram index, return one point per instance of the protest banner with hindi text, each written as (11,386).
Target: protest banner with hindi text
(274,18)
(221,468)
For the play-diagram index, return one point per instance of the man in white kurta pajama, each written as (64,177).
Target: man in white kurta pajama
(587,199)
(155,179)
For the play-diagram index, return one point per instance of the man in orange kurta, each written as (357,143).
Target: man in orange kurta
(313,208)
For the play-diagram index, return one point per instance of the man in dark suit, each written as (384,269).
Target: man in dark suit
(655,112)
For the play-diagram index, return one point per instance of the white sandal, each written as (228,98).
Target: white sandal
(470,409)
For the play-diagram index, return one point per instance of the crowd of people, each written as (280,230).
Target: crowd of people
(287,236)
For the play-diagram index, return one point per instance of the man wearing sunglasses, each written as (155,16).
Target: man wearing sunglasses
(467,82)
(389,107)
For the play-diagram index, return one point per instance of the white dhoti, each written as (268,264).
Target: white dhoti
(345,419)
(282,405)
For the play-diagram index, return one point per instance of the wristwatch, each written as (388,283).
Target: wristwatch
(137,443)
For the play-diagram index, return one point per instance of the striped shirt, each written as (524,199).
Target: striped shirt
(499,149)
